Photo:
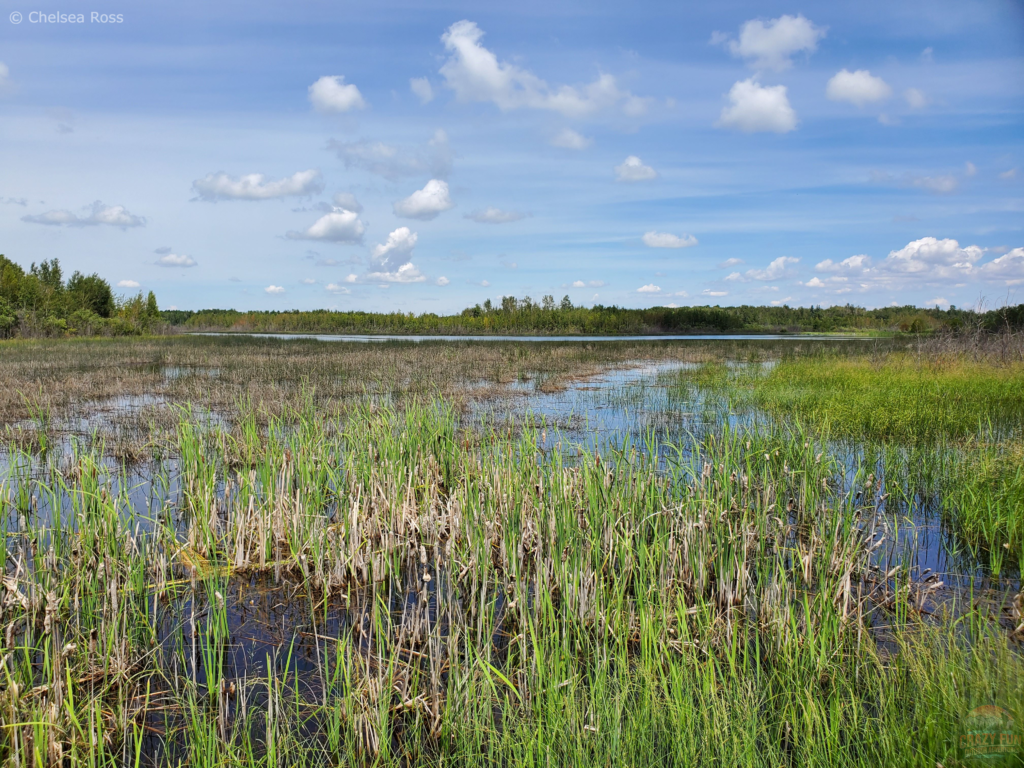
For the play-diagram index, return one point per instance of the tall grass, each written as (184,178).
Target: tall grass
(963,413)
(901,397)
(438,597)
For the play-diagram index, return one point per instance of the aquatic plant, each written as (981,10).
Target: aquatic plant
(387,588)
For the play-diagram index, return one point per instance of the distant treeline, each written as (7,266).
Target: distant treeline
(521,316)
(40,302)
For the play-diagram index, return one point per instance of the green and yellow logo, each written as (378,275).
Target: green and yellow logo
(989,732)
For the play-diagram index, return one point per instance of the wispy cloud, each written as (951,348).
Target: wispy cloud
(495,216)
(431,159)
(109,215)
(633,169)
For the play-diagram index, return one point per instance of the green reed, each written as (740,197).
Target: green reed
(961,418)
(504,603)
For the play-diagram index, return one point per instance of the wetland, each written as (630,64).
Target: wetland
(245,550)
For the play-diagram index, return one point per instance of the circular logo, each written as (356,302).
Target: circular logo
(16,17)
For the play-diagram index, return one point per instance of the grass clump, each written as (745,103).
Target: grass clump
(961,414)
(899,397)
(983,491)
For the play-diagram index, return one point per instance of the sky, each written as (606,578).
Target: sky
(424,157)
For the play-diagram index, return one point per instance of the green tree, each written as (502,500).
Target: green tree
(90,292)
(11,276)
(49,274)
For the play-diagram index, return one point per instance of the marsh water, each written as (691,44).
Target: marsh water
(279,625)
(630,406)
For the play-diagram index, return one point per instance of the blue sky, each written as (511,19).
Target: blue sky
(425,157)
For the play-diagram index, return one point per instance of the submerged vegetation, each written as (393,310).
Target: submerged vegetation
(331,554)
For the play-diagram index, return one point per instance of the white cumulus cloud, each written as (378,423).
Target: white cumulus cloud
(115,216)
(1009,267)
(776,270)
(858,88)
(338,226)
(930,255)
(110,215)
(649,288)
(256,186)
(475,74)
(495,216)
(391,261)
(426,203)
(668,240)
(772,45)
(442,280)
(396,251)
(274,290)
(173,260)
(756,108)
(407,273)
(633,169)
(567,138)
(853,264)
(926,261)
(128,284)
(330,94)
